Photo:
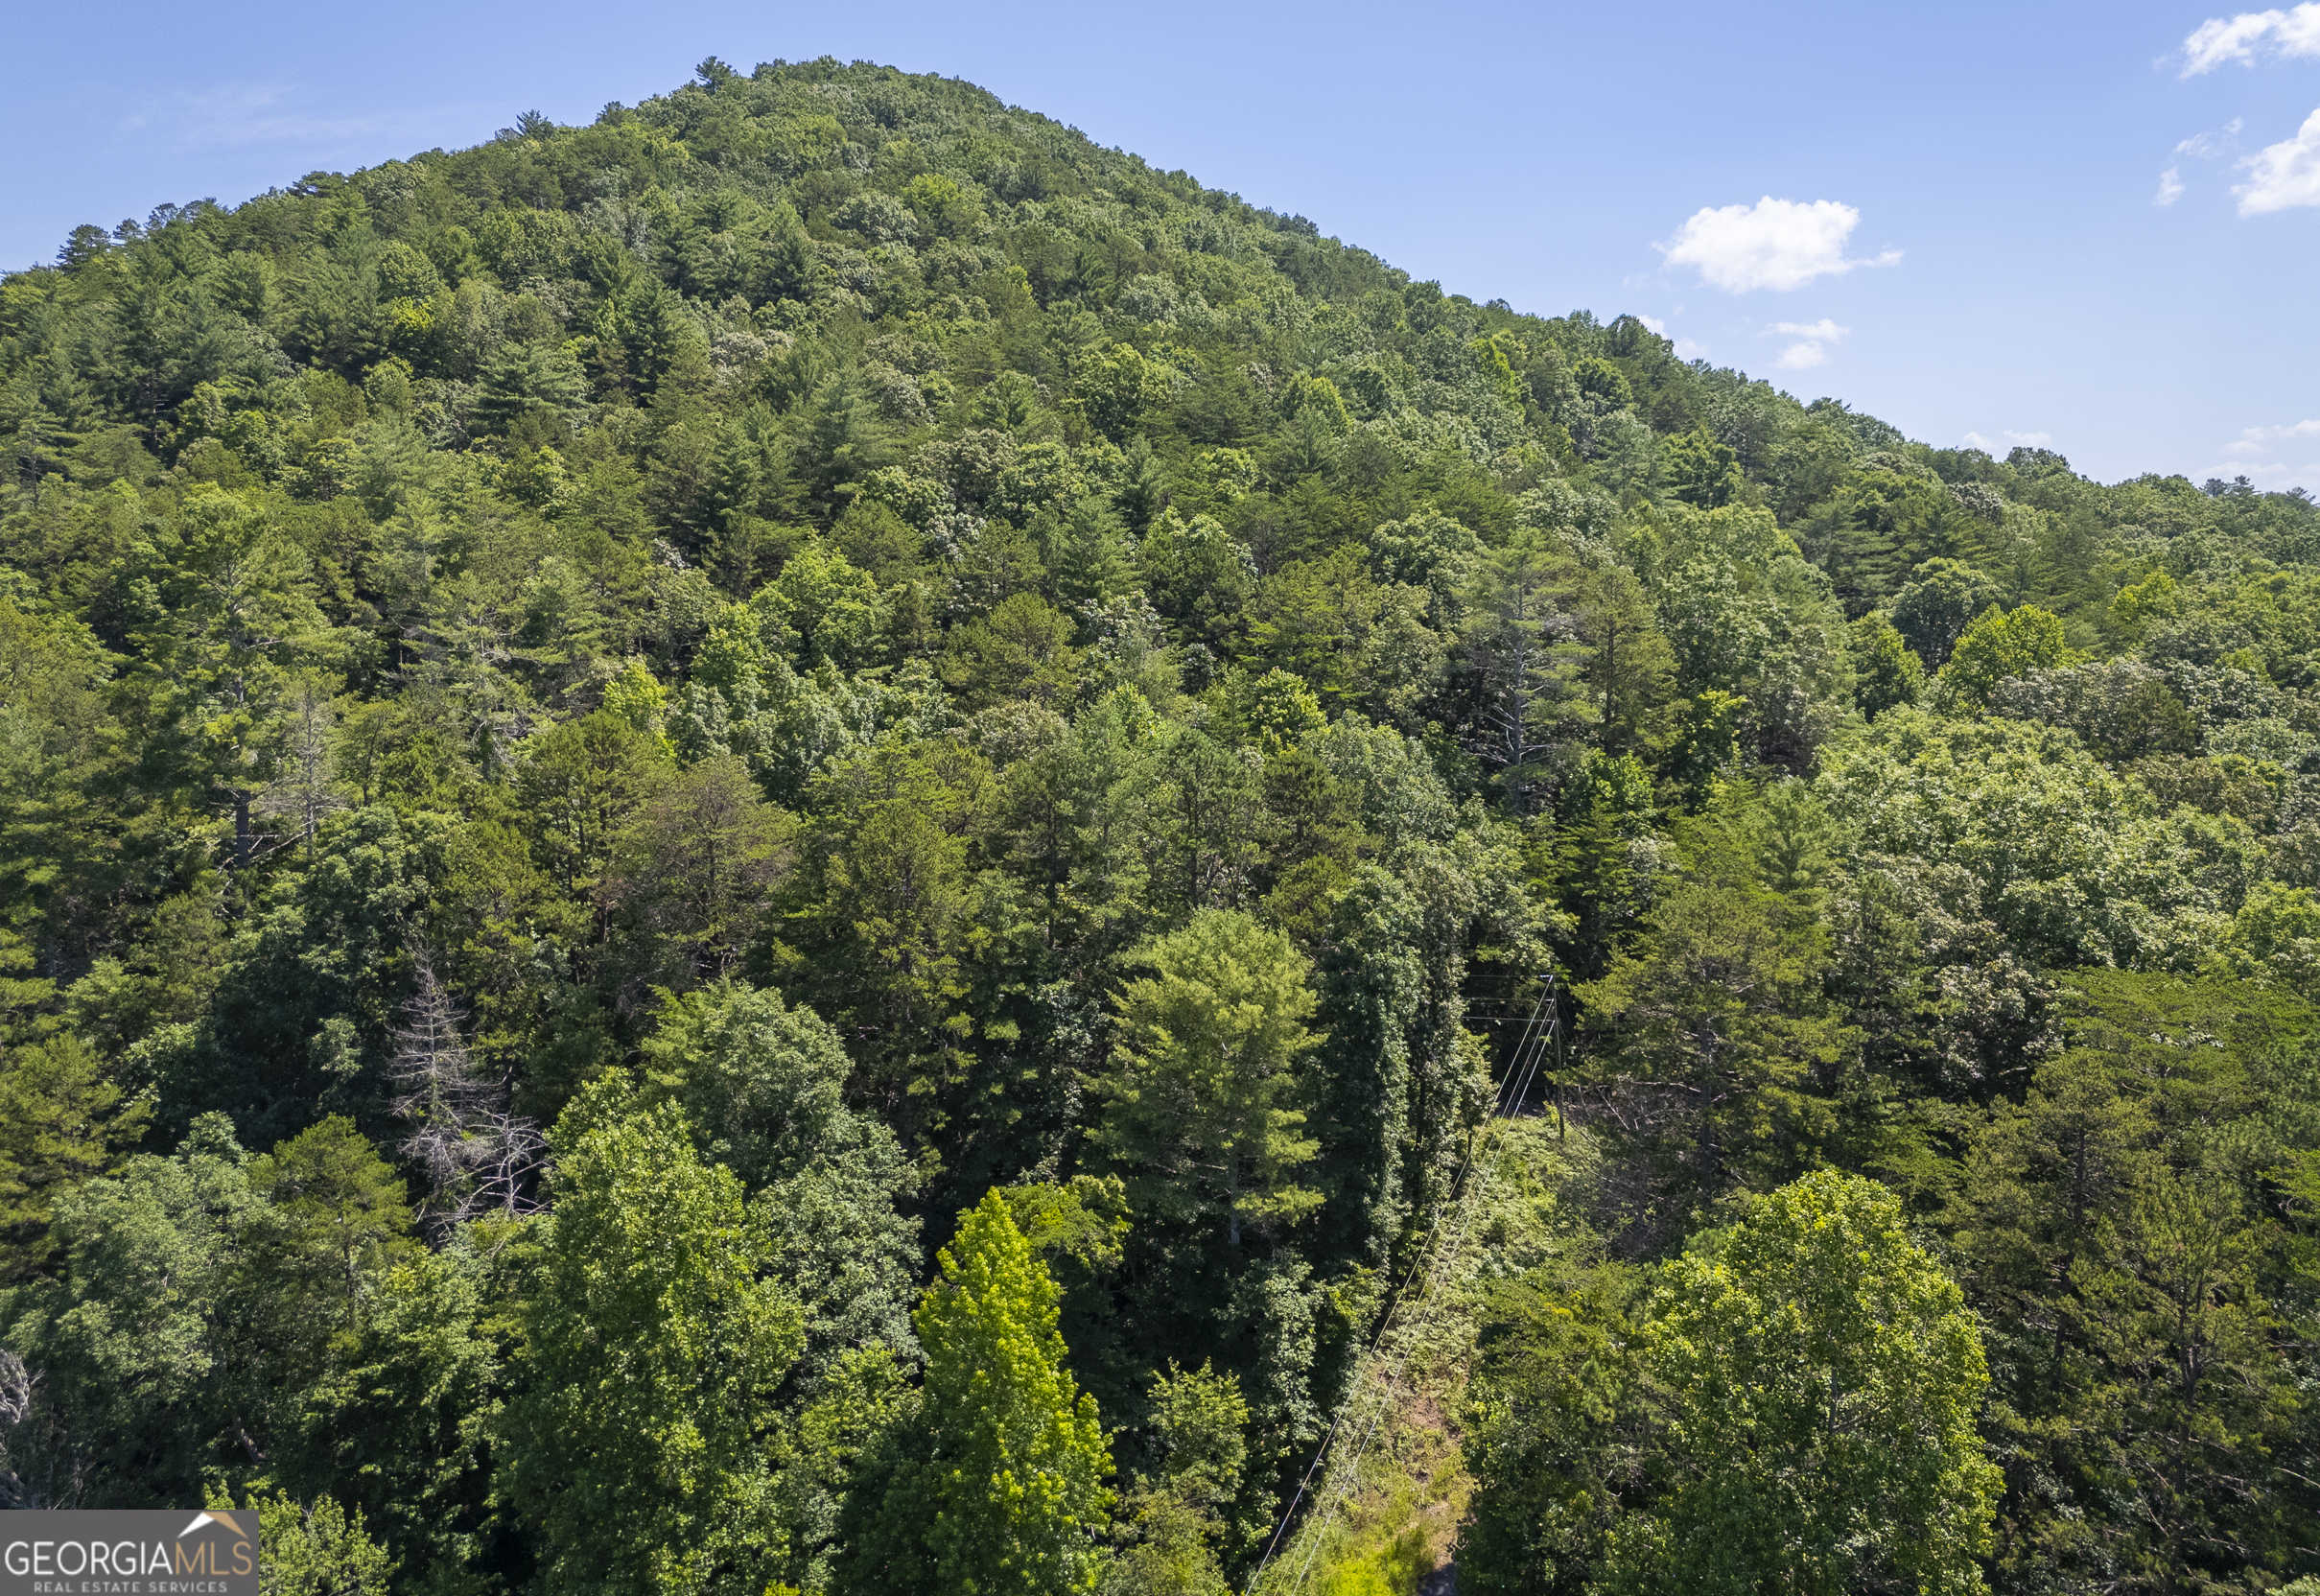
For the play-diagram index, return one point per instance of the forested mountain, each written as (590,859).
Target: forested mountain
(788,844)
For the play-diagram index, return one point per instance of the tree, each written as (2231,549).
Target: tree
(2114,1242)
(400,1424)
(580,781)
(1114,387)
(885,897)
(228,617)
(1941,600)
(1003,1492)
(1021,650)
(764,1087)
(166,1351)
(479,1157)
(2000,644)
(835,611)
(1528,660)
(61,1120)
(1885,672)
(693,868)
(337,1211)
(1879,527)
(1701,471)
(317,1550)
(1712,1032)
(1205,1099)
(640,1446)
(1555,1421)
(1181,1519)
(1818,1377)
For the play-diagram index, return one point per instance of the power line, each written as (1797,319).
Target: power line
(1545,1023)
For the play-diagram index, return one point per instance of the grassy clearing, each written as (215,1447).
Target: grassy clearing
(1390,1504)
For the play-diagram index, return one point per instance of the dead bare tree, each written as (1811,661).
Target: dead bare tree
(15,1401)
(479,1157)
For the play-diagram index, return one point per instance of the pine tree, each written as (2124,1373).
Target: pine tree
(1004,1492)
(1206,1098)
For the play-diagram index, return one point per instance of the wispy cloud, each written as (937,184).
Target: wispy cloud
(2284,175)
(239,115)
(1813,342)
(1773,243)
(2256,440)
(2212,145)
(1686,349)
(2286,455)
(2007,440)
(2251,35)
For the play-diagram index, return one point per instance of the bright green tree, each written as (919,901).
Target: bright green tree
(60,1118)
(1205,1102)
(1999,644)
(1001,1491)
(1818,1379)
(317,1549)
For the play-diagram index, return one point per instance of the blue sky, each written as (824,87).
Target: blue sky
(2096,226)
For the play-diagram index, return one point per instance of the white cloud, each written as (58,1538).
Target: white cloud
(2268,474)
(2216,141)
(1654,323)
(1774,244)
(2241,38)
(1823,331)
(1813,340)
(2258,440)
(2007,440)
(2212,145)
(2283,176)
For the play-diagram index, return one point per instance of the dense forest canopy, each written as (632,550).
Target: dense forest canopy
(795,843)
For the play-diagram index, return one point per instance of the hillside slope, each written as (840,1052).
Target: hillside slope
(755,793)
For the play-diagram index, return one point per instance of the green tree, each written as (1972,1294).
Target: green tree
(227,614)
(2001,644)
(1529,700)
(763,1086)
(1002,1492)
(1115,385)
(1205,1102)
(2113,1231)
(1885,670)
(1713,1030)
(693,868)
(62,1118)
(399,1423)
(339,1213)
(1941,600)
(1021,650)
(1818,1379)
(316,1550)
(1701,471)
(641,1444)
